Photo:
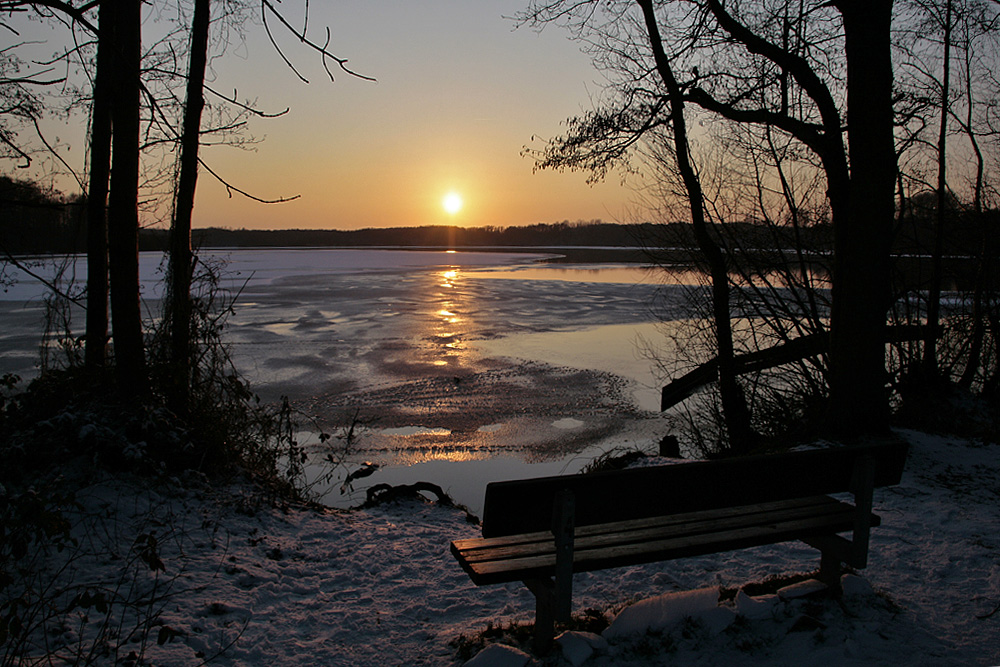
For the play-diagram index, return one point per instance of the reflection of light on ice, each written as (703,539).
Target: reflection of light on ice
(452,456)
(431,459)
(567,423)
(448,278)
(280,328)
(415,430)
(614,348)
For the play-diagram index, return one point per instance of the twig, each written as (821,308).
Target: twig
(52,286)
(27,158)
(41,136)
(232,188)
(301,36)
(246,107)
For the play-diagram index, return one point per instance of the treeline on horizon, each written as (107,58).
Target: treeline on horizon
(34,220)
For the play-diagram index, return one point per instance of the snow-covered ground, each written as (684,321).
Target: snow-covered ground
(243,583)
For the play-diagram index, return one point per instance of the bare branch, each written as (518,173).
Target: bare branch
(787,61)
(267,6)
(78,14)
(808,133)
(55,153)
(245,107)
(230,188)
(14,147)
(11,259)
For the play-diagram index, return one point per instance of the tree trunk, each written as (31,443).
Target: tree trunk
(97,201)
(861,290)
(181,259)
(930,362)
(123,213)
(734,408)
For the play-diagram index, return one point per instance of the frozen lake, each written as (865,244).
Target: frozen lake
(468,366)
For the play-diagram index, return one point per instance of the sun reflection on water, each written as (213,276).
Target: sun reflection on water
(450,327)
(442,455)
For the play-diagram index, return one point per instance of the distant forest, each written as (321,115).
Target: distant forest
(34,220)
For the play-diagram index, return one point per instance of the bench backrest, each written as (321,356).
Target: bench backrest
(524,506)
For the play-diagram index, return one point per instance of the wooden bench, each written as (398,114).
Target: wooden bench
(540,531)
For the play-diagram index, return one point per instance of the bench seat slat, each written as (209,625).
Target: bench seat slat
(638,524)
(539,561)
(482,549)
(610,534)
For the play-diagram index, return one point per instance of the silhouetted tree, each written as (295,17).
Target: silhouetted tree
(123,198)
(95,352)
(735,413)
(744,68)
(181,258)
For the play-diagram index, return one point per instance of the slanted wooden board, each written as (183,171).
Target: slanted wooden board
(791,350)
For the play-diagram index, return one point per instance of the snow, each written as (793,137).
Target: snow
(499,655)
(248,583)
(576,647)
(659,613)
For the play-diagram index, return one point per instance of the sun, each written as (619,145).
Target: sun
(452,203)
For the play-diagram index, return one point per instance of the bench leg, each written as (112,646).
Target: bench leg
(829,571)
(545,603)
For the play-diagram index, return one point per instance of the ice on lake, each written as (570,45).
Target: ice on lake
(452,356)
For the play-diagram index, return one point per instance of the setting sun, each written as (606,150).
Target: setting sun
(452,203)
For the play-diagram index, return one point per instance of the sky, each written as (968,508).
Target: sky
(460,91)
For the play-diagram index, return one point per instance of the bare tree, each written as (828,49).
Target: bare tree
(947,53)
(123,199)
(181,257)
(744,67)
(97,199)
(122,84)
(737,417)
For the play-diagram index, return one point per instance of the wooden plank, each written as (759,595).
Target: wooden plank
(632,524)
(658,550)
(485,549)
(516,507)
(637,524)
(792,350)
(481,559)
(609,534)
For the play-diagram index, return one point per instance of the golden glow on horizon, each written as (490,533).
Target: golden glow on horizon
(452,203)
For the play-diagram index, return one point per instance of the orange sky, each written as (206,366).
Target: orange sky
(459,93)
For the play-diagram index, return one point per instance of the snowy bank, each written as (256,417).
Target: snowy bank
(246,584)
